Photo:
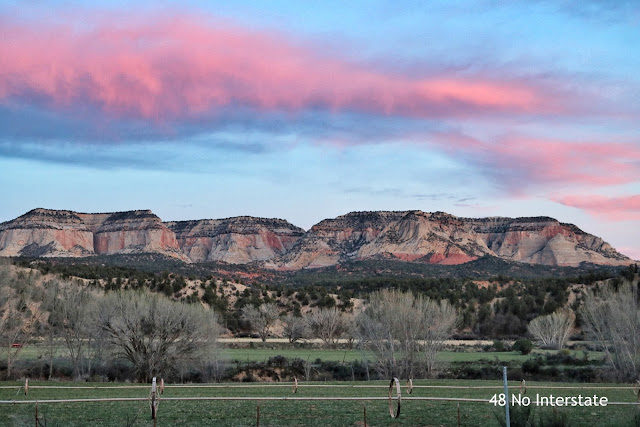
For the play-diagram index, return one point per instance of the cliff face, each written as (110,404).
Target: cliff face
(408,236)
(54,233)
(238,240)
(440,238)
(331,240)
(43,232)
(543,240)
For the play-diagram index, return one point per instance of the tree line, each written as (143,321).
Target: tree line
(402,326)
(149,332)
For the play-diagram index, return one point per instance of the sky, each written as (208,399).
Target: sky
(310,110)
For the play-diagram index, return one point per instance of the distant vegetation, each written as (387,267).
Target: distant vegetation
(489,306)
(482,268)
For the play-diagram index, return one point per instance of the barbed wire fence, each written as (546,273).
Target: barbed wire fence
(394,397)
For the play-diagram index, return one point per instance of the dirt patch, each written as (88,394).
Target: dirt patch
(482,284)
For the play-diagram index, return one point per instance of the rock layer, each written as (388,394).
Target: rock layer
(57,233)
(544,240)
(413,236)
(238,240)
(43,232)
(440,238)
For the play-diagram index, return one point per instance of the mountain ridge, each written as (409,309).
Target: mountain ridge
(411,236)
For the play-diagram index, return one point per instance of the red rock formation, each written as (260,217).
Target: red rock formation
(543,240)
(43,232)
(411,236)
(236,240)
(53,233)
(440,238)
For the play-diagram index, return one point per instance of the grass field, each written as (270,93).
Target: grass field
(295,413)
(261,354)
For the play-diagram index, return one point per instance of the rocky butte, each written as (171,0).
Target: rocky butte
(61,233)
(411,236)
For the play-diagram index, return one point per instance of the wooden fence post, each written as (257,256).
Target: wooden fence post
(154,400)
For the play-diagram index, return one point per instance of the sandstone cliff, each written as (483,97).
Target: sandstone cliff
(416,236)
(445,239)
(58,233)
(543,240)
(238,240)
(43,232)
(331,240)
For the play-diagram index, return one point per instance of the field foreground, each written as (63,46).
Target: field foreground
(293,409)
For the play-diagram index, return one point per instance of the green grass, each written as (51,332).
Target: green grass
(258,354)
(288,412)
(261,354)
(474,356)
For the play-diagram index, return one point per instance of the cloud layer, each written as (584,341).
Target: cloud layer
(183,66)
(623,208)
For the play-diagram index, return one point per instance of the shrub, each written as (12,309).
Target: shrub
(553,418)
(553,330)
(523,345)
(531,366)
(498,345)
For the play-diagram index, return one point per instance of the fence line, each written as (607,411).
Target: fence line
(394,412)
(290,384)
(265,398)
(225,398)
(75,387)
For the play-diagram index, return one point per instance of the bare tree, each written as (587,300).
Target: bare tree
(155,334)
(51,328)
(261,318)
(351,333)
(295,327)
(18,314)
(75,327)
(70,307)
(214,364)
(441,319)
(404,332)
(613,319)
(553,330)
(13,326)
(327,324)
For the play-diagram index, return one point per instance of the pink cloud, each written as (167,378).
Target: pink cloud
(621,208)
(586,163)
(517,163)
(181,66)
